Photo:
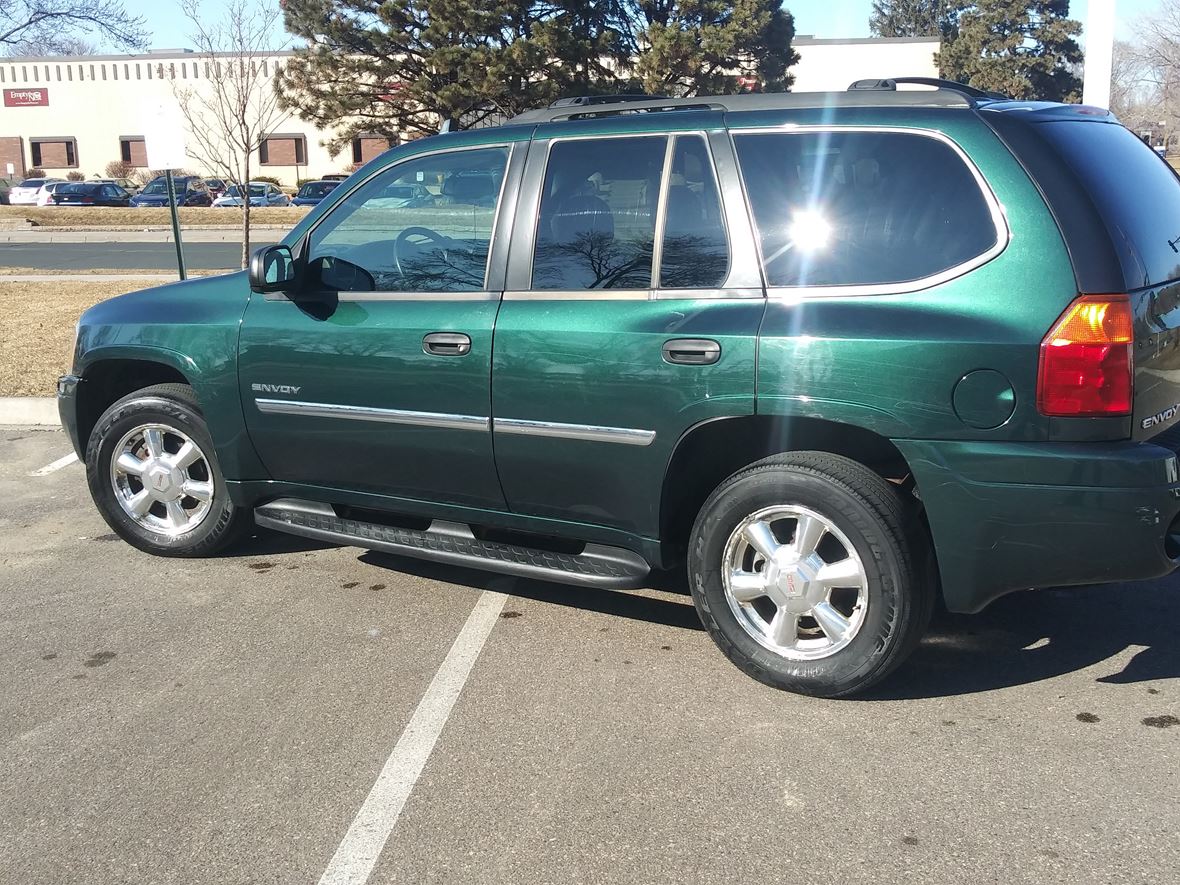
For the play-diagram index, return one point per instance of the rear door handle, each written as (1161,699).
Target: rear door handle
(692,351)
(446,344)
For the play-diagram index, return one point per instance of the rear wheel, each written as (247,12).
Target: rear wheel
(804,571)
(154,477)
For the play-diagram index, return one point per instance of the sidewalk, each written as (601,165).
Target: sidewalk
(262,234)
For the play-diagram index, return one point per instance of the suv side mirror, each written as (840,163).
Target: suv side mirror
(272,269)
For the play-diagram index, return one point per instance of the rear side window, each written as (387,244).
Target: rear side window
(861,208)
(695,249)
(1136,192)
(598,214)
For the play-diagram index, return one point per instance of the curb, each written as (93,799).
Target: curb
(29,410)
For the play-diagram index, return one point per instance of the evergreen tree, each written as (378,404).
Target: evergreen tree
(395,67)
(1027,50)
(910,18)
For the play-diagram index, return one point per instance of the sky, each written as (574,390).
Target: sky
(818,18)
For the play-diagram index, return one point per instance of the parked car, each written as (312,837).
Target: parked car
(29,190)
(216,187)
(125,183)
(262,193)
(190,191)
(311,192)
(90,193)
(46,191)
(837,355)
(6,185)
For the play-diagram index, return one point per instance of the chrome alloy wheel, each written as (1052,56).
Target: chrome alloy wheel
(795,583)
(162,479)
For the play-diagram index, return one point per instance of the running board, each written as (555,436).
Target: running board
(454,543)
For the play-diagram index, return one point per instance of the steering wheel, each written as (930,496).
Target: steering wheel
(430,236)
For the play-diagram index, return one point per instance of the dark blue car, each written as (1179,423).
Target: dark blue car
(190,191)
(313,191)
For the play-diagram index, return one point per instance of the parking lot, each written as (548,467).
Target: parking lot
(224,721)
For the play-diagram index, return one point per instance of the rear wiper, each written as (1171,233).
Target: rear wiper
(1175,244)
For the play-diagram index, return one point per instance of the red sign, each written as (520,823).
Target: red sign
(26,98)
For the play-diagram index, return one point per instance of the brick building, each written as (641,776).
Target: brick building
(65,114)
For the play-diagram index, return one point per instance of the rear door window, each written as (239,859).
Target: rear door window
(862,208)
(1135,190)
(695,251)
(598,214)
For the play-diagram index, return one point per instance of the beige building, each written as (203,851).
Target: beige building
(66,114)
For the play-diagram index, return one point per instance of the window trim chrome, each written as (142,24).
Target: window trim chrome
(996,211)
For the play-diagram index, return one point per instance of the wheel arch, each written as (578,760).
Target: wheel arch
(711,451)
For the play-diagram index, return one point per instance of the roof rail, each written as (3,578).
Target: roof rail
(583,100)
(890,85)
(757,101)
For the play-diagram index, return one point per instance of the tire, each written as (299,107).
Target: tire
(870,540)
(201,523)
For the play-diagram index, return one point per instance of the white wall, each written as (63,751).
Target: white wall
(97,111)
(831,65)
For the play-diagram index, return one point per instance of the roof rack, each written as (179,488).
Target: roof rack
(890,85)
(594,107)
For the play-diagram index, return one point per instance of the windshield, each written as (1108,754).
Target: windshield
(75,188)
(32,182)
(256,190)
(160,186)
(316,189)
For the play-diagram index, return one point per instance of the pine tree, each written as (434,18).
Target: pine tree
(1026,50)
(910,18)
(399,67)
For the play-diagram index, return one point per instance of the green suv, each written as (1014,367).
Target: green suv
(840,355)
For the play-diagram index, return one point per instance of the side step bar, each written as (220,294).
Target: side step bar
(454,543)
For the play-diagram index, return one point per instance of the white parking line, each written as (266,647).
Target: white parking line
(354,860)
(56,465)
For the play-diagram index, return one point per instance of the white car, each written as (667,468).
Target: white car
(262,193)
(27,192)
(45,195)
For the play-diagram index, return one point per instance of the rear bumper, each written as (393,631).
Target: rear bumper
(67,409)
(1013,516)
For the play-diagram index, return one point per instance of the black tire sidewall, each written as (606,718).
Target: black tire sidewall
(117,421)
(870,652)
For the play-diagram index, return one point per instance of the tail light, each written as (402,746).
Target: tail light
(1085,368)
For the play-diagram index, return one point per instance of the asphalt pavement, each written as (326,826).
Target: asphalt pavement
(231,720)
(148,256)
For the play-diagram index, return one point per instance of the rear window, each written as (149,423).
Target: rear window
(862,208)
(1135,190)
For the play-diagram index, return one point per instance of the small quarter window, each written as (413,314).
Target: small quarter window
(861,208)
(598,214)
(695,252)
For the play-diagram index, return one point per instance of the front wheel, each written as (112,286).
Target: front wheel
(154,477)
(804,572)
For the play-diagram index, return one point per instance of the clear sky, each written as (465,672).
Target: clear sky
(819,18)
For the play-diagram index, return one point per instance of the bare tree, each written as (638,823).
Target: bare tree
(1158,55)
(59,27)
(232,107)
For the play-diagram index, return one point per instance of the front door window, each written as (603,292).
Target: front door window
(424,225)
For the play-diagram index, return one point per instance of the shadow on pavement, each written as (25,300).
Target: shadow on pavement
(1027,637)
(620,604)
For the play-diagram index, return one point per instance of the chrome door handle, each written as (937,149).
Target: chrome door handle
(446,344)
(691,351)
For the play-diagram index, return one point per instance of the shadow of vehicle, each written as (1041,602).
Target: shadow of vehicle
(1028,637)
(621,604)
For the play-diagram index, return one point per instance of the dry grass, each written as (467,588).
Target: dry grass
(38,327)
(102,216)
(103,271)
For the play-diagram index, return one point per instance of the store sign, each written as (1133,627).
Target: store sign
(26,98)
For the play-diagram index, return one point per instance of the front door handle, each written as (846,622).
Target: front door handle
(691,351)
(446,344)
